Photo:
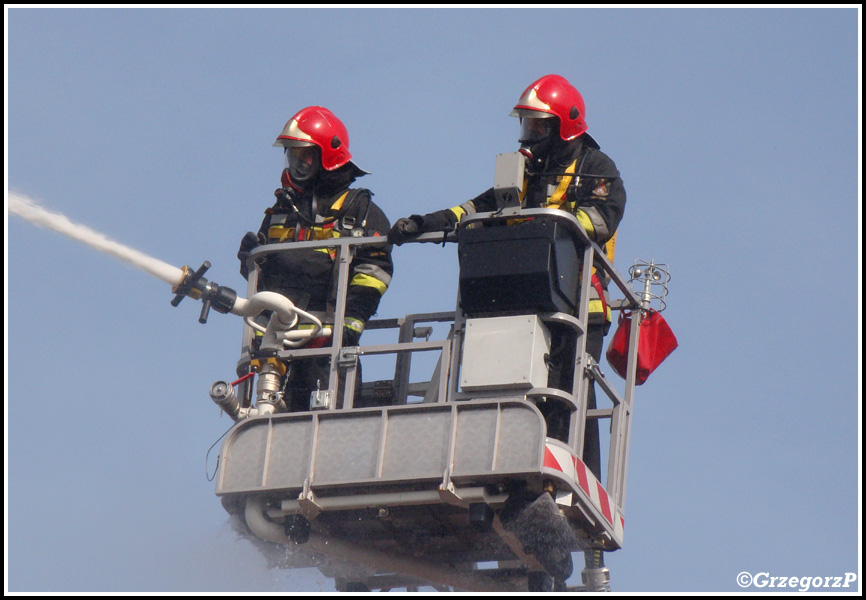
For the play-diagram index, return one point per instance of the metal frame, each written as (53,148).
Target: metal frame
(621,412)
(575,491)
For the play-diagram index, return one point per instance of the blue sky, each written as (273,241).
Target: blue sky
(736,132)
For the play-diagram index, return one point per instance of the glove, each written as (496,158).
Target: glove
(351,337)
(285,197)
(575,193)
(406,229)
(352,329)
(248,243)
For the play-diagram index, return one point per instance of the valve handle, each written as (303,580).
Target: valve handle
(205,309)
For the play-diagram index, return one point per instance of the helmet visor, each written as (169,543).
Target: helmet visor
(535,129)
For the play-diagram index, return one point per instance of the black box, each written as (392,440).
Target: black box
(531,266)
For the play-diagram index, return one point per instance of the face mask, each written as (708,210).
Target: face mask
(534,130)
(537,137)
(303,164)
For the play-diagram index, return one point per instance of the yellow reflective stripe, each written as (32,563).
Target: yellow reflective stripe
(312,325)
(584,220)
(353,324)
(339,203)
(458,211)
(374,272)
(610,248)
(595,306)
(364,280)
(280,233)
(323,233)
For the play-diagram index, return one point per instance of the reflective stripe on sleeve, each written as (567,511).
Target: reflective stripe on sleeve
(599,226)
(596,306)
(353,324)
(375,272)
(364,280)
(585,221)
(467,208)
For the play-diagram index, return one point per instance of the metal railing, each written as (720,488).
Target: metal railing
(444,383)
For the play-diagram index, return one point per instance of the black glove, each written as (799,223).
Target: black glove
(580,193)
(406,229)
(248,243)
(352,328)
(351,337)
(285,197)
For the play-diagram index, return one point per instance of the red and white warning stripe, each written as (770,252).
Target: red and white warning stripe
(562,460)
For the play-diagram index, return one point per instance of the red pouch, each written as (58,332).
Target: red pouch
(655,342)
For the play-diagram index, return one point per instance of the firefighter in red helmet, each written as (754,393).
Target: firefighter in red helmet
(565,169)
(316,202)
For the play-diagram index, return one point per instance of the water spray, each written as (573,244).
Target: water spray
(186,282)
(28,209)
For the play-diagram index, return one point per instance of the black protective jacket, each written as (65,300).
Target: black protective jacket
(594,194)
(308,277)
(596,190)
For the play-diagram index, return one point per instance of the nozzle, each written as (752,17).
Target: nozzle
(221,298)
(192,284)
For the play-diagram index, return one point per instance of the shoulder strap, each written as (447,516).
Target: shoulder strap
(558,198)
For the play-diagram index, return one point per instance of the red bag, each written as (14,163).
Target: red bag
(655,342)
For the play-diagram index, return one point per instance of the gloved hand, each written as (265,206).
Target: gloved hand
(352,329)
(351,337)
(285,197)
(406,229)
(248,243)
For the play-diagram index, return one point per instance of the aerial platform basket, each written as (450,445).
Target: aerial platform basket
(435,484)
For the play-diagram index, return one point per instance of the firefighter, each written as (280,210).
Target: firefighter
(565,169)
(316,202)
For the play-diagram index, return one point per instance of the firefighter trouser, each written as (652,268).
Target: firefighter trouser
(591,448)
(556,414)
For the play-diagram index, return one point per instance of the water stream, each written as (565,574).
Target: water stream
(28,209)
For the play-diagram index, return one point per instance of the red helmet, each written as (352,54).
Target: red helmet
(317,125)
(554,96)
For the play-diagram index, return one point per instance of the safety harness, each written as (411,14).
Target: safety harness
(557,200)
